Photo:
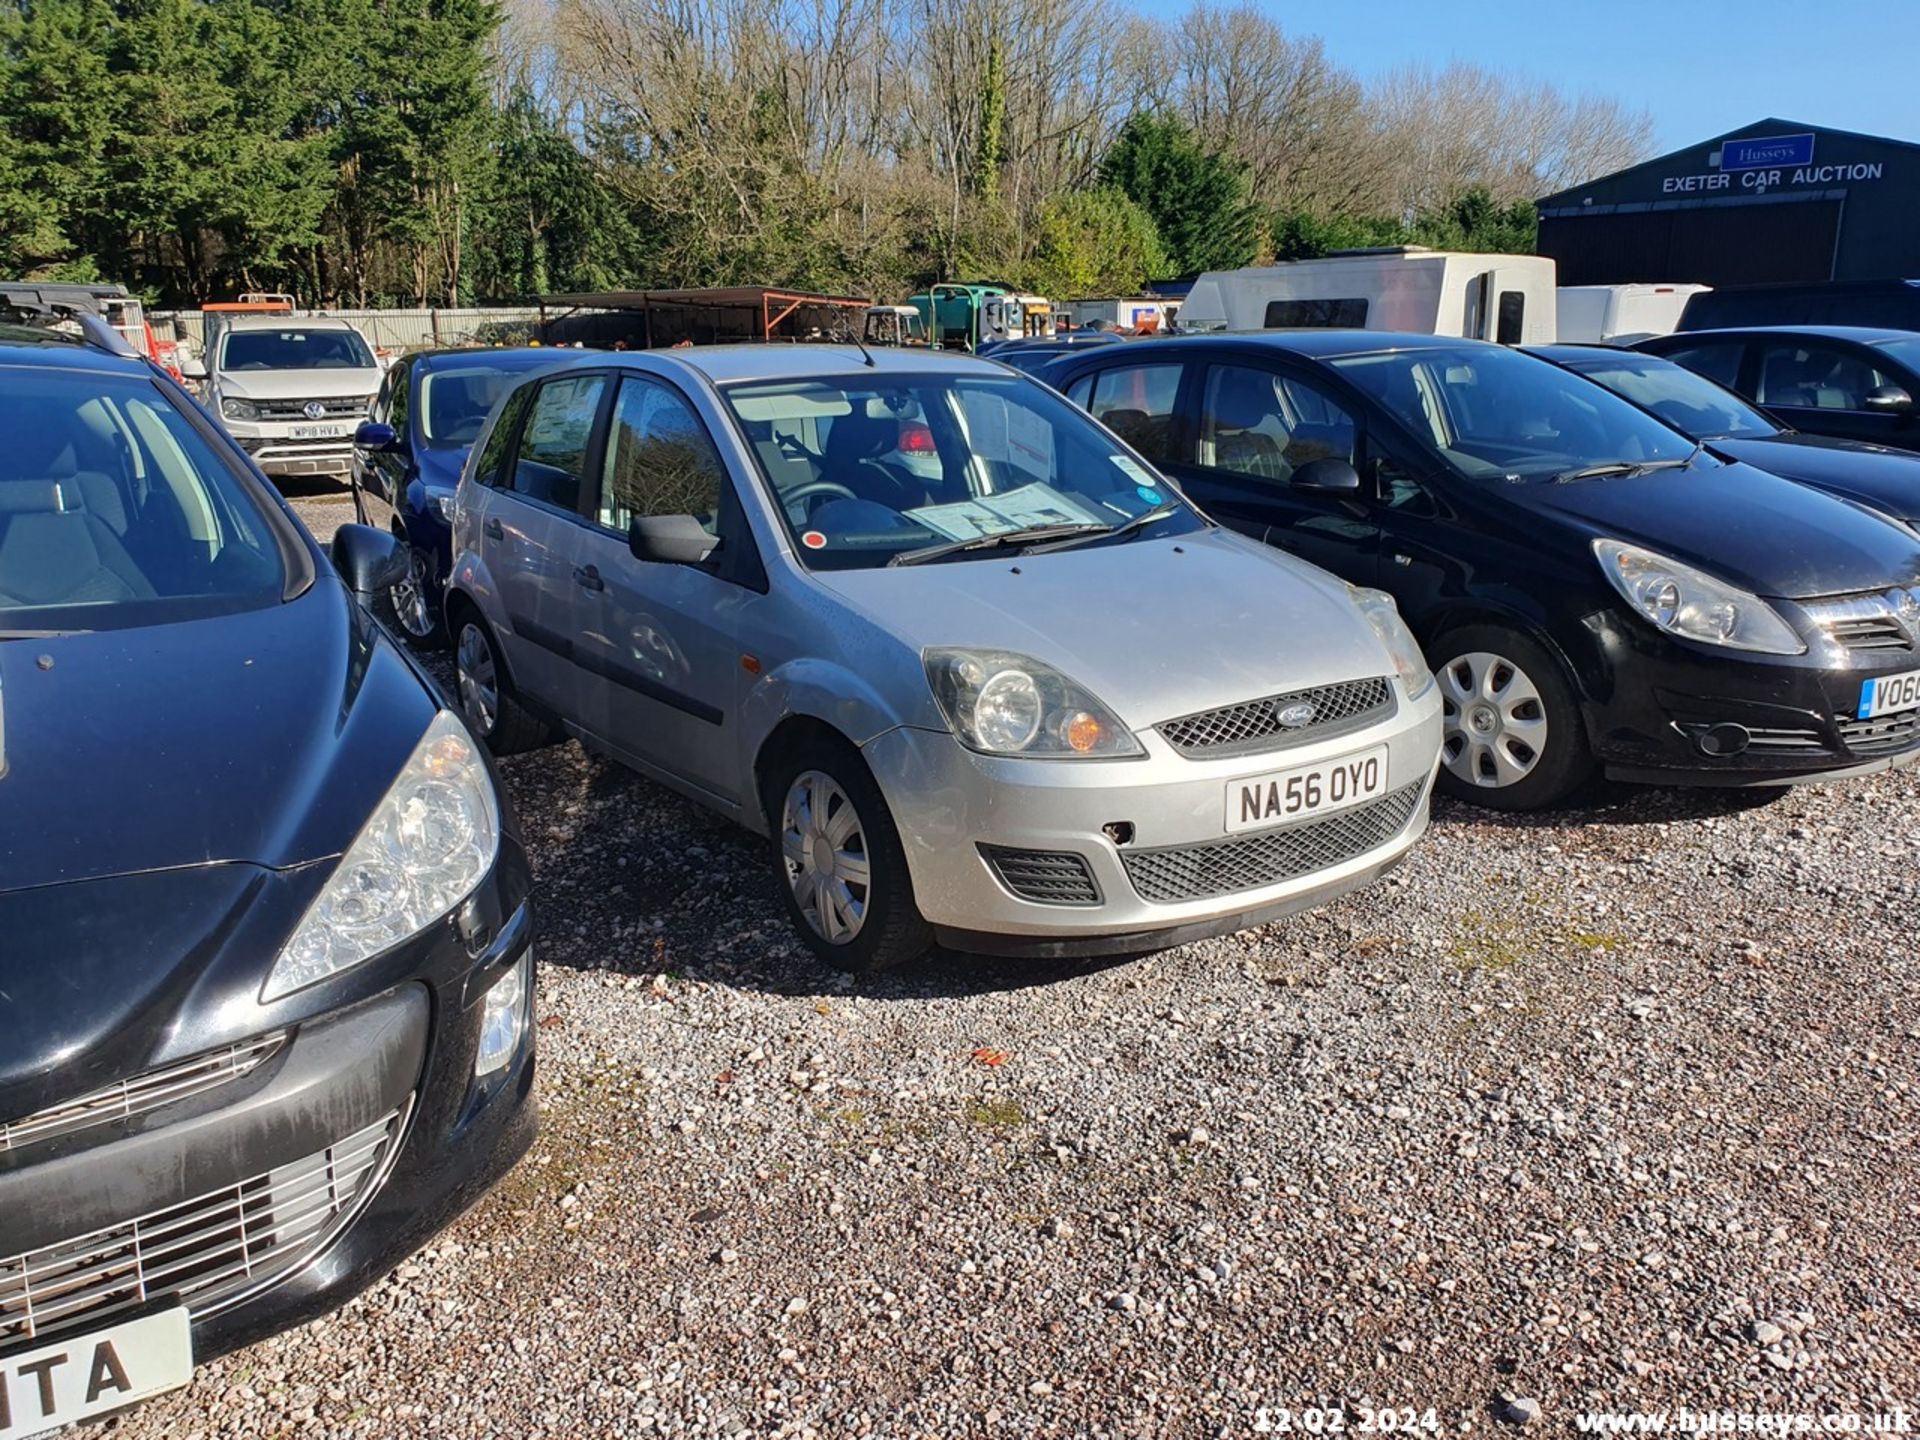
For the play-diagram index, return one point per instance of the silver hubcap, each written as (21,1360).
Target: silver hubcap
(824,850)
(412,597)
(479,683)
(1493,722)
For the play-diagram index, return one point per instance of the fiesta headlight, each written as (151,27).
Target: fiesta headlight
(1409,661)
(432,838)
(1691,603)
(237,409)
(1001,703)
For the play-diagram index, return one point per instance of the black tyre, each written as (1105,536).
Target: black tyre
(416,601)
(487,700)
(1511,733)
(838,860)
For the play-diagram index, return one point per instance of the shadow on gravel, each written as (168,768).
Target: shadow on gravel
(312,487)
(1609,802)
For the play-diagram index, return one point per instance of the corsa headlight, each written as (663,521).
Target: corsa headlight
(1690,603)
(1409,662)
(442,503)
(1007,704)
(235,409)
(431,839)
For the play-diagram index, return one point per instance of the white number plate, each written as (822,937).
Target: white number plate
(1885,694)
(318,432)
(89,1375)
(1283,795)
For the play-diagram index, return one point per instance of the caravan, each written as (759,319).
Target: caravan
(1620,314)
(1508,298)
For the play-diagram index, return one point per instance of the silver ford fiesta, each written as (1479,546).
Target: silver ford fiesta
(979,672)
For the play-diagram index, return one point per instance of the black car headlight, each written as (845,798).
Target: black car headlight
(429,842)
(1693,604)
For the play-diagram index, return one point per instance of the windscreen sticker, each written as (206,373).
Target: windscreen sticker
(1019,509)
(1148,494)
(1029,441)
(813,540)
(1135,471)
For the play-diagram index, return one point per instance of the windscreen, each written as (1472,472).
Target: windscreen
(1500,416)
(1688,402)
(455,402)
(864,470)
(115,511)
(295,349)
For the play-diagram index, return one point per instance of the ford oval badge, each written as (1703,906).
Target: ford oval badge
(1298,715)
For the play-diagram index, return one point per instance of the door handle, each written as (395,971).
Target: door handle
(493,530)
(589,576)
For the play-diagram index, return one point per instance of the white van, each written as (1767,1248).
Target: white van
(1508,298)
(1620,314)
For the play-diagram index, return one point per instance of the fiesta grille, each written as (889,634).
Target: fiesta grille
(337,407)
(1251,862)
(1047,877)
(143,1093)
(1255,725)
(1867,623)
(199,1252)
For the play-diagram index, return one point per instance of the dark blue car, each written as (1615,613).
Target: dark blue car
(407,459)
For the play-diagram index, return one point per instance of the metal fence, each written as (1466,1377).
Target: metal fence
(390,330)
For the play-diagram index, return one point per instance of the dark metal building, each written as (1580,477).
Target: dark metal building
(1776,200)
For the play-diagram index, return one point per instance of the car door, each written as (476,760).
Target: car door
(656,646)
(1253,426)
(1821,386)
(529,528)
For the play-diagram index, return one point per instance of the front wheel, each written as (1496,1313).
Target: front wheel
(839,863)
(1511,734)
(487,700)
(416,603)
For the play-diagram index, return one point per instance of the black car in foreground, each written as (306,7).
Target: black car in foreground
(266,976)
(1888,480)
(1592,587)
(1840,380)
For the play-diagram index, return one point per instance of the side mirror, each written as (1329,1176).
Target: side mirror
(1329,475)
(371,561)
(193,369)
(669,540)
(1889,398)
(374,437)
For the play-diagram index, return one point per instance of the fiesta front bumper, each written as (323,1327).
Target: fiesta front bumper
(1086,857)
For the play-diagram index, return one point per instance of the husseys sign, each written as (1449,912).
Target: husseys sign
(1768,162)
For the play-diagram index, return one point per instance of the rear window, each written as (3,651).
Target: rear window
(115,511)
(295,348)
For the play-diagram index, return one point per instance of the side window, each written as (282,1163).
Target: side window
(1719,363)
(1081,391)
(1136,403)
(399,377)
(1813,377)
(660,460)
(1400,489)
(486,470)
(1348,314)
(1266,426)
(553,446)
(1510,318)
(378,410)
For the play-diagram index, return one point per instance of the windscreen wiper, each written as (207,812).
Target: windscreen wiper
(1630,467)
(1027,536)
(40,634)
(1113,532)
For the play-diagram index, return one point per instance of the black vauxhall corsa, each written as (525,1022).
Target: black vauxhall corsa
(265,945)
(1592,587)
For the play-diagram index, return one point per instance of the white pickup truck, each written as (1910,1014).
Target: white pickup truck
(291,389)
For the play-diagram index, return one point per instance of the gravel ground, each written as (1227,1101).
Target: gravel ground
(1612,1109)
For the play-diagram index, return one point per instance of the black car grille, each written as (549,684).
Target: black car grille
(1870,623)
(1047,877)
(142,1093)
(1251,862)
(1881,734)
(1255,725)
(198,1253)
(1870,633)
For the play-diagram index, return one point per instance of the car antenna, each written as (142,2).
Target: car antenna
(865,354)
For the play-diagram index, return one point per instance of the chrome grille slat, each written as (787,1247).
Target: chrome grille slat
(335,407)
(126,1098)
(1879,621)
(1254,725)
(1251,862)
(197,1251)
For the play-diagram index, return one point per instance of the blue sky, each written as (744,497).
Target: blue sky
(1700,66)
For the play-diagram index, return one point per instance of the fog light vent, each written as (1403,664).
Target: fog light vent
(1046,877)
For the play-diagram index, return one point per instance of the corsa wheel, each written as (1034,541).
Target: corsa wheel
(824,849)
(413,598)
(1494,726)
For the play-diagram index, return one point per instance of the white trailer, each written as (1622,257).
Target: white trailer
(1125,312)
(1620,314)
(1508,298)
